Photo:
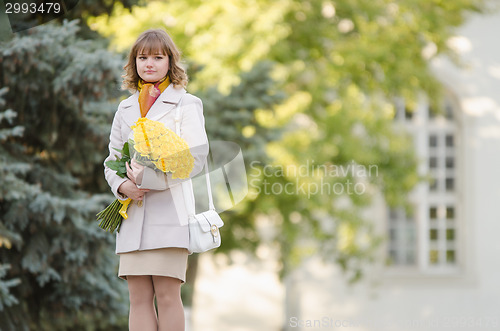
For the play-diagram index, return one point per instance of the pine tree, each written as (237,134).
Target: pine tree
(6,298)
(58,91)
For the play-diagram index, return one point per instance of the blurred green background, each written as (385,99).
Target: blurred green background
(293,83)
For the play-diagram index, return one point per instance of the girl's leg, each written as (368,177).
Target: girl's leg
(142,315)
(168,299)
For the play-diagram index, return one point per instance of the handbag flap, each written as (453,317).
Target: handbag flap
(208,219)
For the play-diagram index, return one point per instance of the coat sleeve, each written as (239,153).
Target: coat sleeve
(115,141)
(192,130)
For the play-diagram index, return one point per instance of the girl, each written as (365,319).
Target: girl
(153,240)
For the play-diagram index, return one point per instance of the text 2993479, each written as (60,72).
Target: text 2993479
(32,7)
(26,14)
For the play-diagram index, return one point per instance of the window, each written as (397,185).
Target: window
(429,238)
(402,238)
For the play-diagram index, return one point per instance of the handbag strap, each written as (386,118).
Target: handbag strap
(191,211)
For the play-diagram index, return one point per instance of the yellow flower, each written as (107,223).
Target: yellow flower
(163,147)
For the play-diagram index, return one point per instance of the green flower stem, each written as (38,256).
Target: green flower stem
(110,217)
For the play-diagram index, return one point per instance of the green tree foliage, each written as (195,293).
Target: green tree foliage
(234,117)
(342,64)
(62,266)
(6,236)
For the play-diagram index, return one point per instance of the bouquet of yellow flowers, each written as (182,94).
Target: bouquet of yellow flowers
(161,147)
(155,146)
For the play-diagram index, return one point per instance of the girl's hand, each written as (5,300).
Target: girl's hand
(129,189)
(135,171)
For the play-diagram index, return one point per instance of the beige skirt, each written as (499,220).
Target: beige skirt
(170,262)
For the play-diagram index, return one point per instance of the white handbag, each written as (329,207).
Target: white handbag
(204,227)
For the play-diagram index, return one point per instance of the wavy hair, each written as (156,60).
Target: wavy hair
(154,41)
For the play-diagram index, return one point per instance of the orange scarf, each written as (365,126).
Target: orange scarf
(149,92)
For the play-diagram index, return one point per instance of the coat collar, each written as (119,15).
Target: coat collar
(163,105)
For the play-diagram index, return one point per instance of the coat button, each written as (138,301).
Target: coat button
(139,203)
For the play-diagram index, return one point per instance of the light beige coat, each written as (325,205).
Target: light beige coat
(161,219)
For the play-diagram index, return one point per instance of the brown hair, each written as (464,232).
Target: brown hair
(151,42)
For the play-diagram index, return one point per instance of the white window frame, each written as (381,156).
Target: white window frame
(420,126)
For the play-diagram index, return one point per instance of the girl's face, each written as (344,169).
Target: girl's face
(152,67)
